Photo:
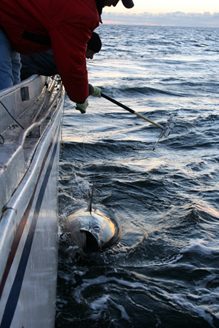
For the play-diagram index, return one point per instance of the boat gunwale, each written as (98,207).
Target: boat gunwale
(9,168)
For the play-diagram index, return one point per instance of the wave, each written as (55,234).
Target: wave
(142,90)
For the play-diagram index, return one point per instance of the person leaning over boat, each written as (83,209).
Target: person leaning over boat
(35,26)
(44,63)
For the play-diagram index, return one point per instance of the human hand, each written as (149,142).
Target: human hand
(96,92)
(82,107)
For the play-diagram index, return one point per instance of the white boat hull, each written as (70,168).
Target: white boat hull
(28,238)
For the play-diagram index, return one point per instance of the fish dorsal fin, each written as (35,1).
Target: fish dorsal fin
(89,208)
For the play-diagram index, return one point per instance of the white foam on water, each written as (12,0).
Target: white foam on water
(105,280)
(121,308)
(101,304)
(98,306)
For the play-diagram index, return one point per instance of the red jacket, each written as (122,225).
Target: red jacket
(35,26)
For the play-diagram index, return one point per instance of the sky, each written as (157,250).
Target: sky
(203,13)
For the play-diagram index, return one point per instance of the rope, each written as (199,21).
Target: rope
(2,139)
(11,115)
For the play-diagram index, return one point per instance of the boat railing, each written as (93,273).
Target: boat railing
(47,114)
(20,143)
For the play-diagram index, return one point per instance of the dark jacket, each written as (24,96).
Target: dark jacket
(42,64)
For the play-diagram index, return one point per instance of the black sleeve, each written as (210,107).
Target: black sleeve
(91,89)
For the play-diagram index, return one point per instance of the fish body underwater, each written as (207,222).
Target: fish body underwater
(92,230)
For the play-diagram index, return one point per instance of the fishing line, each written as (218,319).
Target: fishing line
(61,138)
(83,142)
(87,186)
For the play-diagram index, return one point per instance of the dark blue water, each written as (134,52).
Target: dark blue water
(164,271)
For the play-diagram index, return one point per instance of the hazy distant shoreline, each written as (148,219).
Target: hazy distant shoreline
(169,19)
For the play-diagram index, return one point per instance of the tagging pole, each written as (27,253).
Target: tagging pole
(166,130)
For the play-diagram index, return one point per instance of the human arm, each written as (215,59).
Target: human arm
(69,43)
(93,91)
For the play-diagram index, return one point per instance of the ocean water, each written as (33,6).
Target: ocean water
(164,271)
